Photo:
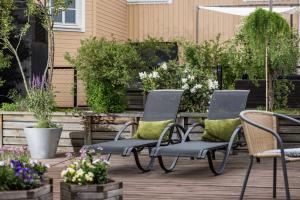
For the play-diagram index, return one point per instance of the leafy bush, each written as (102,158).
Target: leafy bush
(18,172)
(106,98)
(105,68)
(88,169)
(18,104)
(9,107)
(283,88)
(197,85)
(153,52)
(205,56)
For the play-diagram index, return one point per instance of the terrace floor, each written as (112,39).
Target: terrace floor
(193,180)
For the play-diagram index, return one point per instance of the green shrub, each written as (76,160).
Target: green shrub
(19,103)
(205,56)
(106,68)
(106,98)
(283,88)
(9,107)
(153,52)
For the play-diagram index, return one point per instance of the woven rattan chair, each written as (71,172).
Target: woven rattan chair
(160,105)
(225,104)
(263,141)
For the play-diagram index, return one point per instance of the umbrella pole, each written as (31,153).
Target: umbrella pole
(266,63)
(267,78)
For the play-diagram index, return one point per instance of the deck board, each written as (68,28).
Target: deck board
(193,180)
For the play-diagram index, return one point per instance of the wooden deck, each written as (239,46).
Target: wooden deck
(193,180)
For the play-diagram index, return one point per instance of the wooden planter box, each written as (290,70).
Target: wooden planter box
(112,191)
(45,192)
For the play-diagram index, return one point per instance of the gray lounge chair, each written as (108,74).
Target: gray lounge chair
(160,105)
(225,104)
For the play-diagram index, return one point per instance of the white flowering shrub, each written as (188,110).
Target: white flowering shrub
(167,75)
(88,169)
(198,85)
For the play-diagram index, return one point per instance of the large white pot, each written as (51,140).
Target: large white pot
(42,142)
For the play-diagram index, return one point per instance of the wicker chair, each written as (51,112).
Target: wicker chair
(263,140)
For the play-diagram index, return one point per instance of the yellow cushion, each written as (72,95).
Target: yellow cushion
(219,130)
(151,130)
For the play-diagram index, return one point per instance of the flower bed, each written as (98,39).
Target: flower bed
(87,178)
(21,177)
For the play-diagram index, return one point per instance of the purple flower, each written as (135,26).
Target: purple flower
(69,155)
(38,82)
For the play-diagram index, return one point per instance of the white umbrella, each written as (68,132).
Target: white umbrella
(245,11)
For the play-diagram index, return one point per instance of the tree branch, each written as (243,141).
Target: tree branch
(13,50)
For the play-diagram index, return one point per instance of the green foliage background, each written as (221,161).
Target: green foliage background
(4,64)
(246,51)
(106,68)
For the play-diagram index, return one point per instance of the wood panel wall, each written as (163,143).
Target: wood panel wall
(103,18)
(111,19)
(178,20)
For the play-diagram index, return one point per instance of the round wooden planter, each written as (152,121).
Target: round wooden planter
(112,190)
(45,192)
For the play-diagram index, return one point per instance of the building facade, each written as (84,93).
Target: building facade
(135,20)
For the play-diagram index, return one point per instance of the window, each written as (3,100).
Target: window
(71,19)
(148,1)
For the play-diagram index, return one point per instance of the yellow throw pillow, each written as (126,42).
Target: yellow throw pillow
(151,130)
(219,130)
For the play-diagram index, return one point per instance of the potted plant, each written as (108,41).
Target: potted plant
(22,178)
(43,138)
(87,178)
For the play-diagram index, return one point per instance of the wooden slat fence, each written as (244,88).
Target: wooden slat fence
(257,93)
(92,128)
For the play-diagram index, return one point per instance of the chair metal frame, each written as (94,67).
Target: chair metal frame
(161,142)
(203,153)
(209,152)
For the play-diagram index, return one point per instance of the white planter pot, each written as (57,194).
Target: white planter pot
(42,142)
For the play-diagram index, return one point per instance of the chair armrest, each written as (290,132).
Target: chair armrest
(287,118)
(170,126)
(235,133)
(124,128)
(186,135)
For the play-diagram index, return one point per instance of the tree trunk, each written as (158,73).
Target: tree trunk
(50,62)
(271,92)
